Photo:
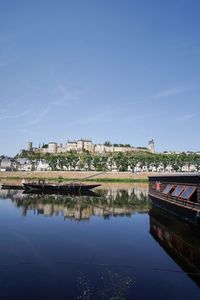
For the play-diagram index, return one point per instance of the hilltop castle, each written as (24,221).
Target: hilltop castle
(82,145)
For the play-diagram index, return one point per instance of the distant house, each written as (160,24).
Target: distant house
(42,165)
(24,164)
(8,164)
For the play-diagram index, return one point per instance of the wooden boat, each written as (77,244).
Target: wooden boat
(11,187)
(42,186)
(62,187)
(178,195)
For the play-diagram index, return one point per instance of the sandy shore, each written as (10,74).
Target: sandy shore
(77,175)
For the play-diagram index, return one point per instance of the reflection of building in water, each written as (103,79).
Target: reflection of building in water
(179,240)
(110,202)
(138,193)
(4,194)
(78,212)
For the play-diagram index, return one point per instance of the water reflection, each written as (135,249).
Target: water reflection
(51,259)
(179,240)
(80,207)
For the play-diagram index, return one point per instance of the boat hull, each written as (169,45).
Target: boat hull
(11,187)
(67,187)
(189,214)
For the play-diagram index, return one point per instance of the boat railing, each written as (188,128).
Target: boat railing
(182,202)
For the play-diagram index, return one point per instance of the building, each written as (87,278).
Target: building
(52,147)
(151,146)
(30,146)
(8,164)
(82,145)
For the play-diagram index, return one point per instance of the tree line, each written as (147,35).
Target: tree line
(128,161)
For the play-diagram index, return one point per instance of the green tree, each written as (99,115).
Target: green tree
(86,159)
(61,161)
(100,162)
(121,161)
(52,161)
(196,162)
(132,161)
(107,143)
(73,159)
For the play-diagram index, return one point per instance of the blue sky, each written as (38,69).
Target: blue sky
(124,71)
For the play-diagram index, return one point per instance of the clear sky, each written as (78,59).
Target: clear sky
(117,70)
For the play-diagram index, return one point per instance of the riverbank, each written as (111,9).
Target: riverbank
(86,176)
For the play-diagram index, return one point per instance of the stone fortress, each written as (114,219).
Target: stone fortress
(82,145)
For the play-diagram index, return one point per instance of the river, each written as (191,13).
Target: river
(109,244)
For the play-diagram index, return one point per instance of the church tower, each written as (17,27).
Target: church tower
(151,146)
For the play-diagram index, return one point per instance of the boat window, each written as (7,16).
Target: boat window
(178,190)
(188,192)
(168,189)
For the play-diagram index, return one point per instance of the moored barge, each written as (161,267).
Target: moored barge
(62,187)
(42,186)
(178,195)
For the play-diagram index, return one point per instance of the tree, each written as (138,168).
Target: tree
(61,162)
(104,163)
(132,161)
(107,143)
(121,161)
(100,162)
(148,161)
(164,161)
(86,159)
(110,161)
(196,162)
(67,161)
(96,161)
(156,161)
(73,159)
(52,161)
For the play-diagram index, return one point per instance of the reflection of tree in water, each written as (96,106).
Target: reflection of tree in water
(104,203)
(110,284)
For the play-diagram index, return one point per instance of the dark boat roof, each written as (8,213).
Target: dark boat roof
(180,178)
